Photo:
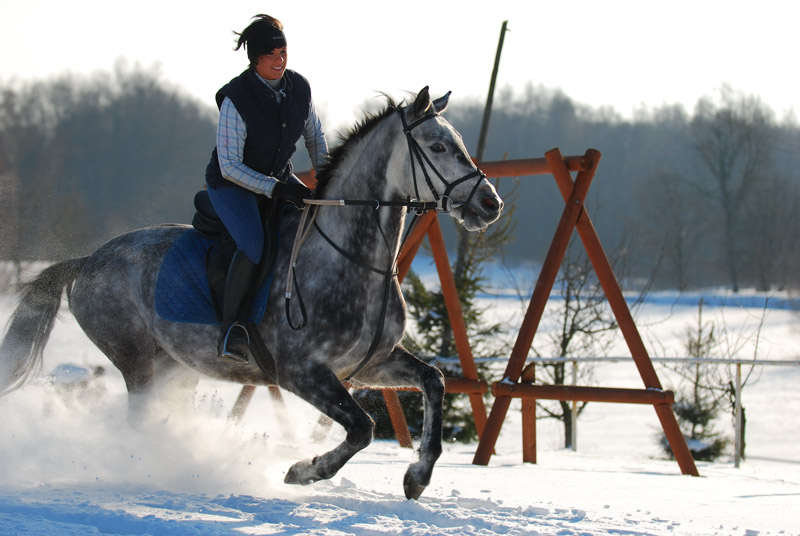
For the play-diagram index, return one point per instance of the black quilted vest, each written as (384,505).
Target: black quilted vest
(273,129)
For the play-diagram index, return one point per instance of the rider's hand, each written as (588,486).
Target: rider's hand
(292,192)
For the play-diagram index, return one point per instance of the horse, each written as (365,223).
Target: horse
(406,158)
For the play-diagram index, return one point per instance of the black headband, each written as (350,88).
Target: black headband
(264,41)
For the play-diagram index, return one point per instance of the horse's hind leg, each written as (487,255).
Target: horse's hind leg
(155,382)
(174,384)
(136,355)
(135,360)
(402,369)
(151,376)
(321,388)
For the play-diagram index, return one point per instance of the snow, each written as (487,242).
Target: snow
(70,464)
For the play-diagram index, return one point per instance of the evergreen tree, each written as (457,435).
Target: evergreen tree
(699,402)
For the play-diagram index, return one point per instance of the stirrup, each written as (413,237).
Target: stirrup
(230,353)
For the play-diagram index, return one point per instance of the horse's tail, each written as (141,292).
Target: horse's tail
(32,322)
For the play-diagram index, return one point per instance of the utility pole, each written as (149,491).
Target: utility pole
(463,235)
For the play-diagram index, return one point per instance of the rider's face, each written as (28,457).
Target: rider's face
(271,66)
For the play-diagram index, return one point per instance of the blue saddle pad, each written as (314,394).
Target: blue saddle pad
(182,290)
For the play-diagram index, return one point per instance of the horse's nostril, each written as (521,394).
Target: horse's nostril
(491,204)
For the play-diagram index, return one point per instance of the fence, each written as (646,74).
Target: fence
(569,392)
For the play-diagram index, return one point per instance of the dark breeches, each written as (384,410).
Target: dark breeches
(238,210)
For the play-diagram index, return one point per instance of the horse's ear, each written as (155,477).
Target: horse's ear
(421,105)
(440,104)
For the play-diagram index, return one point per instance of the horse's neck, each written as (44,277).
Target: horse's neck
(367,169)
(372,236)
(366,174)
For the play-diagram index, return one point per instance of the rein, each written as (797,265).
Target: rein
(443,204)
(419,207)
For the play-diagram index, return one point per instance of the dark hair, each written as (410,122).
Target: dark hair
(262,36)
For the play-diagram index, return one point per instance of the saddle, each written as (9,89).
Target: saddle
(218,258)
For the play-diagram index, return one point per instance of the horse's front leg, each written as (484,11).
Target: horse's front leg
(317,385)
(402,369)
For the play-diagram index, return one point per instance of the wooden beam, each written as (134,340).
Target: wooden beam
(583,394)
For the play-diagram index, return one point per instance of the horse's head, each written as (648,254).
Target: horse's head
(441,169)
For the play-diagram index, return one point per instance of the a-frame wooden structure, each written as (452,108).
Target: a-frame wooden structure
(575,216)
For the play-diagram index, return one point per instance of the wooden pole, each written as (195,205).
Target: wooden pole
(737,443)
(574,410)
(457,323)
(242,401)
(487,111)
(584,394)
(398,418)
(529,418)
(413,243)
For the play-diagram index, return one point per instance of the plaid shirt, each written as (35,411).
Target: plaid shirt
(231,133)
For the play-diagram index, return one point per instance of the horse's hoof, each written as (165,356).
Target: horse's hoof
(412,488)
(302,473)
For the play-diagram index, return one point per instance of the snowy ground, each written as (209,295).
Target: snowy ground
(69,463)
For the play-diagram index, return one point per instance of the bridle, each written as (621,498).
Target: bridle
(442,203)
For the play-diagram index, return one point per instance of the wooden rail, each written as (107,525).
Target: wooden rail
(583,394)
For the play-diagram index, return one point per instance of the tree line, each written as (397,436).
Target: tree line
(83,159)
(690,199)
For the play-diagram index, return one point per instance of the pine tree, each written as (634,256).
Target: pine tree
(699,403)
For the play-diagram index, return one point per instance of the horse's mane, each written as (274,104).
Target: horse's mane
(349,139)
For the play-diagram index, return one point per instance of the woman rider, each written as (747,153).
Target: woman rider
(263,113)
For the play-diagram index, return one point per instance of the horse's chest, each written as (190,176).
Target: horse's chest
(353,315)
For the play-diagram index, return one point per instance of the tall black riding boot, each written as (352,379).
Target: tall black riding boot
(234,341)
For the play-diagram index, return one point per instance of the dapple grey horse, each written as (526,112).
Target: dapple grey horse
(407,157)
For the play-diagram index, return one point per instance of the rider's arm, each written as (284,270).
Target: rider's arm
(231,133)
(316,143)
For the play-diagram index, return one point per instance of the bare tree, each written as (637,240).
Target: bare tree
(12,130)
(772,232)
(672,224)
(584,328)
(732,138)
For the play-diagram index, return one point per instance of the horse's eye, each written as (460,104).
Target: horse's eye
(438,148)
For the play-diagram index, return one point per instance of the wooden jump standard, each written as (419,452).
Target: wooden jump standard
(575,216)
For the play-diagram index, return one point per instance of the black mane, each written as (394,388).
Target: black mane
(352,136)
